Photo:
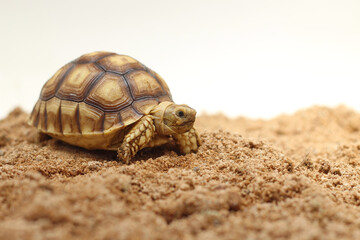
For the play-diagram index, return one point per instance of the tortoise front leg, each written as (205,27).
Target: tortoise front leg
(188,142)
(137,138)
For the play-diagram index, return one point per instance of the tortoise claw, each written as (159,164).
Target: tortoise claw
(124,155)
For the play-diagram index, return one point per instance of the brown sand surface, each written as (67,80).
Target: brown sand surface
(291,177)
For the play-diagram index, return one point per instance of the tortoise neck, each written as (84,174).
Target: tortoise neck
(158,114)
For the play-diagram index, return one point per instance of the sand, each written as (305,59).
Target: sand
(291,177)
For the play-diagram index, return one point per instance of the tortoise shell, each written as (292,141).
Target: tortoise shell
(95,96)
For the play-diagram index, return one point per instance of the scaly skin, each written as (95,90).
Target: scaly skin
(138,137)
(188,142)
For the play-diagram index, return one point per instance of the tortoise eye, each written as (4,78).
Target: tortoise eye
(180,113)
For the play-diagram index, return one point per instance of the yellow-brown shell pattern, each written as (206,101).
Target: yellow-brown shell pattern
(96,93)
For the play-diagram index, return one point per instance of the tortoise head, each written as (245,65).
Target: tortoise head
(171,118)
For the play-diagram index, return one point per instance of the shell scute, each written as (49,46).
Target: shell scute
(93,56)
(78,81)
(128,115)
(50,87)
(162,82)
(34,116)
(110,93)
(144,106)
(142,84)
(91,119)
(112,119)
(42,116)
(70,118)
(53,113)
(119,63)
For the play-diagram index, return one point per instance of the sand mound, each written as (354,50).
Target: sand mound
(292,177)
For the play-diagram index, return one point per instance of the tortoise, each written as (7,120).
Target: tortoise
(103,100)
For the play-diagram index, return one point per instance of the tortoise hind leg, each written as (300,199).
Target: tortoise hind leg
(38,137)
(137,138)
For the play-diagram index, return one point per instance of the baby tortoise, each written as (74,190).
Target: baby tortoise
(103,100)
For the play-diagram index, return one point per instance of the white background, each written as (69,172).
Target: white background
(253,58)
